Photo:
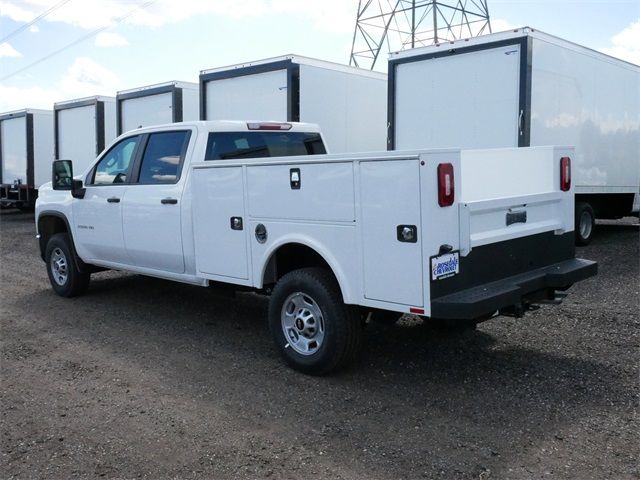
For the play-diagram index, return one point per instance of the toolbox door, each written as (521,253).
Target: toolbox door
(391,231)
(219,223)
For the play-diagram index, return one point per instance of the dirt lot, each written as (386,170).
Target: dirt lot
(143,378)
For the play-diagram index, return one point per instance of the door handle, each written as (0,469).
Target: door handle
(169,201)
(113,200)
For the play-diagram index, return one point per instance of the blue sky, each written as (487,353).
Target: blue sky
(174,40)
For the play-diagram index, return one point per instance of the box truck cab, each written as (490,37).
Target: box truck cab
(525,88)
(453,236)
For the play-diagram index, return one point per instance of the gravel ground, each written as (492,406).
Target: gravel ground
(143,378)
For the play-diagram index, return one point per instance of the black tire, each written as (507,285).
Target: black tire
(72,282)
(385,317)
(341,324)
(585,222)
(451,325)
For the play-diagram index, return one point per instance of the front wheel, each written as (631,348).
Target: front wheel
(64,276)
(315,332)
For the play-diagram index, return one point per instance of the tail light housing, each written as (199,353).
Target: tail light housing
(268,126)
(446,185)
(565,174)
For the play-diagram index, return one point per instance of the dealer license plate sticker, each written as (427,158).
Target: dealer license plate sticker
(445,266)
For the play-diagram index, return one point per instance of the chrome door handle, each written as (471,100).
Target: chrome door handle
(113,200)
(169,201)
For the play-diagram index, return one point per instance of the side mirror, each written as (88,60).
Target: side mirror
(62,178)
(62,175)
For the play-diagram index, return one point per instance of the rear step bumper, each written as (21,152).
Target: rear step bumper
(517,290)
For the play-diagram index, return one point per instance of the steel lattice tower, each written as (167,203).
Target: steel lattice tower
(400,24)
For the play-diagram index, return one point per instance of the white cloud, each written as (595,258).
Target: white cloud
(328,15)
(86,77)
(34,29)
(626,44)
(6,50)
(110,39)
(502,25)
(83,78)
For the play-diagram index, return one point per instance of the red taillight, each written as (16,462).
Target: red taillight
(446,190)
(565,174)
(268,126)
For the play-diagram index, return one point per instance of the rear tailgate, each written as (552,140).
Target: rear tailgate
(516,241)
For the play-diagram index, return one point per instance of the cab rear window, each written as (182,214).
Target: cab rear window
(235,145)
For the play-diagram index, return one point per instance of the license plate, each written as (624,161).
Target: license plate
(445,266)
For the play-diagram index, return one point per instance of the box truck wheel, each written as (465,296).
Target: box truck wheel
(313,329)
(66,280)
(585,223)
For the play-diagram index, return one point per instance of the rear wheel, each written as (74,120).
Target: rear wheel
(585,223)
(64,276)
(315,332)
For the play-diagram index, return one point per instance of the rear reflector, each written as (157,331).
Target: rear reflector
(269,126)
(416,311)
(565,174)
(446,190)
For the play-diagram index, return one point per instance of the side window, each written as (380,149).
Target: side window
(114,166)
(163,157)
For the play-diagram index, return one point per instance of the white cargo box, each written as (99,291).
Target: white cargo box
(525,88)
(83,128)
(157,104)
(348,103)
(26,148)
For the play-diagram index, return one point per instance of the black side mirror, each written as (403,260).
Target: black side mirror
(62,178)
(62,175)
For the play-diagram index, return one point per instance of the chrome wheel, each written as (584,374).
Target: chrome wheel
(586,224)
(59,266)
(302,323)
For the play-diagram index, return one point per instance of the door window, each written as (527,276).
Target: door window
(163,156)
(114,167)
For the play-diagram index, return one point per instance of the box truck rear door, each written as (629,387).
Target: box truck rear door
(464,100)
(261,96)
(14,150)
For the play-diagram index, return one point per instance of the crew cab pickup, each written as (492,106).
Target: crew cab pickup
(453,236)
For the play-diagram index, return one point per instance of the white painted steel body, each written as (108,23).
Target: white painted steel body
(348,103)
(470,99)
(14,142)
(347,210)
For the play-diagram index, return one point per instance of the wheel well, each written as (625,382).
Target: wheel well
(49,225)
(292,256)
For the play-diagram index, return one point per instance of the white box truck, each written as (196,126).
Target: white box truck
(26,153)
(83,127)
(348,103)
(525,88)
(453,236)
(157,104)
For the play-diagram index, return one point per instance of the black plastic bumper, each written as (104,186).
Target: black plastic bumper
(486,299)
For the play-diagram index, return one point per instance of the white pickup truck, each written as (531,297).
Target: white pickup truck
(453,236)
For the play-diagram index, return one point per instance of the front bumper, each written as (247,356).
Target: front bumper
(486,299)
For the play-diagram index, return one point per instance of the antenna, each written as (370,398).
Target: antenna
(384,26)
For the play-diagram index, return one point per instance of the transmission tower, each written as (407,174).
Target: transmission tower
(385,26)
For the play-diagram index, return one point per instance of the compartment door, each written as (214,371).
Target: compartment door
(390,197)
(221,251)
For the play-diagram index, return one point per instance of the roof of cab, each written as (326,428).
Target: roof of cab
(230,126)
